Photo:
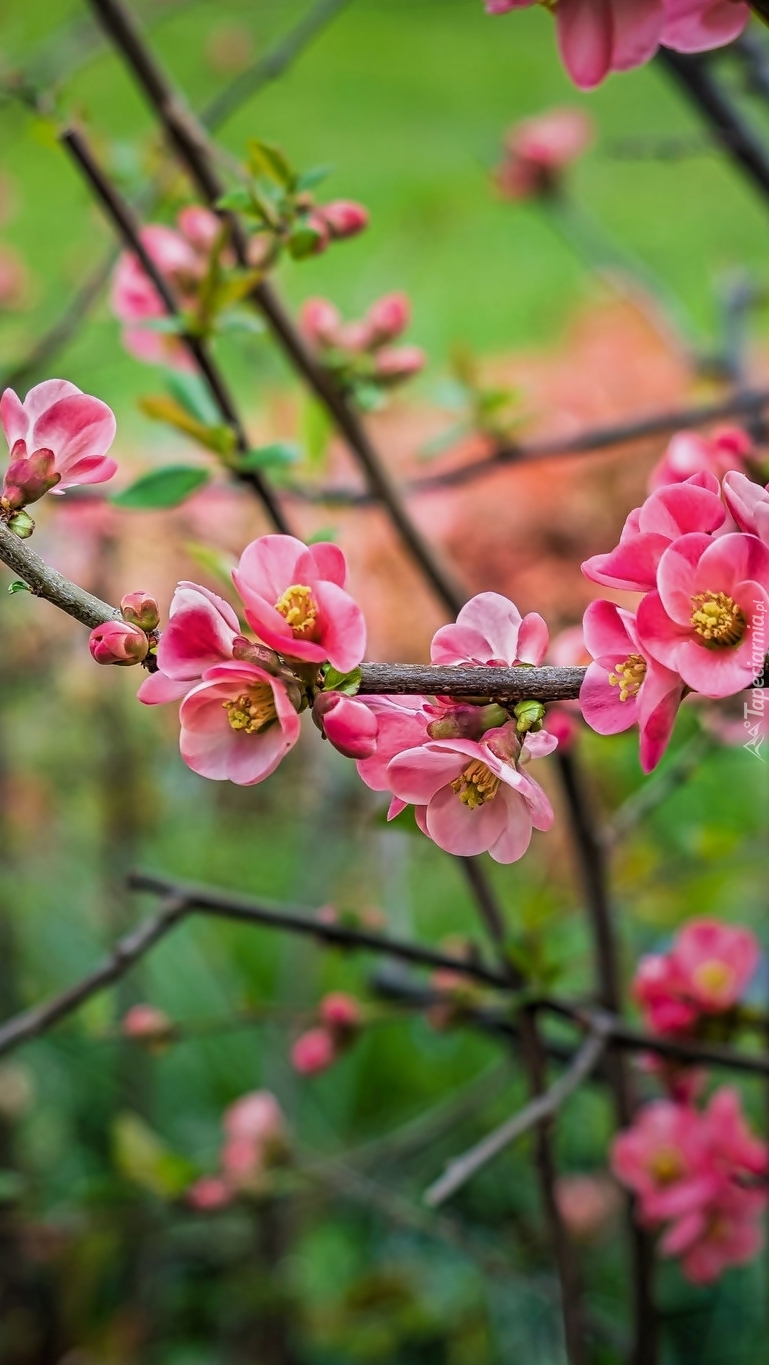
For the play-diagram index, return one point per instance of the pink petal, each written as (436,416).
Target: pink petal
(730,560)
(632,565)
(14,418)
(325,560)
(637,28)
(489,623)
(600,703)
(533,639)
(585,39)
(691,26)
(609,630)
(658,703)
(76,427)
(677,575)
(659,635)
(198,635)
(516,834)
(416,775)
(158,688)
(343,627)
(681,508)
(461,830)
(268,566)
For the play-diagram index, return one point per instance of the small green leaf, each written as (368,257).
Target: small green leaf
(309,179)
(303,242)
(166,487)
(170,325)
(189,391)
(334,681)
(367,395)
(321,537)
(278,453)
(163,408)
(144,1158)
(316,432)
(239,200)
(238,320)
(265,159)
(19,586)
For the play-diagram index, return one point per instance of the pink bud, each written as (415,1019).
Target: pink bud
(344,218)
(340,1013)
(389,316)
(209,1193)
(354,336)
(118,642)
(319,320)
(394,363)
(349,724)
(146,1023)
(28,477)
(139,609)
(317,222)
(314,1051)
(256,1117)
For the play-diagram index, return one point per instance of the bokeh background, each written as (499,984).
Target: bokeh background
(101,1259)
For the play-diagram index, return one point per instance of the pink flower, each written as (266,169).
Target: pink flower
(748,503)
(256,1117)
(669,513)
(473,797)
(697,25)
(660,989)
(714,963)
(665,1159)
(700,621)
(587,1204)
(624,685)
(146,1023)
(351,725)
(58,438)
(314,1051)
(344,218)
(727,1231)
(733,1148)
(209,1193)
(689,453)
(401,724)
(340,1014)
(237,724)
(201,632)
(295,601)
(118,642)
(490,630)
(538,149)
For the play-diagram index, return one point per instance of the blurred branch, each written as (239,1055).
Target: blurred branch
(190,141)
(122,218)
(544,1106)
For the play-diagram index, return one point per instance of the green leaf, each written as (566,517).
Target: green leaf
(144,1158)
(239,200)
(334,681)
(19,586)
(265,159)
(368,396)
(303,242)
(325,534)
(166,487)
(189,391)
(238,320)
(316,432)
(170,325)
(309,179)
(278,453)
(163,408)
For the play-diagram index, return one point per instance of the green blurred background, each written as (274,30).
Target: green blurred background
(100,1259)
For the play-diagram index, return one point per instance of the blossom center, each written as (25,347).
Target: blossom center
(713,978)
(666,1165)
(717,619)
(252,711)
(628,676)
(299,610)
(476,784)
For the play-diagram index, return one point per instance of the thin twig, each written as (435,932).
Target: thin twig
(48,583)
(544,1106)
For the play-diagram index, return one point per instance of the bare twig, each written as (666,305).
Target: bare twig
(544,1106)
(48,583)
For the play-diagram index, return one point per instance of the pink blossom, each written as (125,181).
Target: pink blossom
(201,632)
(727,1231)
(669,513)
(209,1193)
(401,724)
(624,685)
(350,724)
(256,1117)
(748,503)
(340,1014)
(146,1023)
(490,630)
(388,317)
(689,453)
(473,797)
(118,642)
(587,1204)
(141,609)
(237,724)
(660,989)
(700,621)
(344,218)
(394,363)
(58,438)
(320,321)
(698,25)
(295,601)
(313,1051)
(714,963)
(665,1159)
(538,149)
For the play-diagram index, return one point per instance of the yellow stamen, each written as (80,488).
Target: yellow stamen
(629,676)
(299,609)
(476,784)
(666,1165)
(252,711)
(713,978)
(718,620)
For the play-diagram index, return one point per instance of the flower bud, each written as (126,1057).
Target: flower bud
(118,642)
(147,1024)
(389,316)
(21,524)
(319,320)
(467,722)
(395,363)
(529,715)
(209,1193)
(349,724)
(141,610)
(344,218)
(340,1014)
(314,1051)
(29,477)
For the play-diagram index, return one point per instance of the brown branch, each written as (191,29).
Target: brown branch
(47,583)
(544,1106)
(190,141)
(123,220)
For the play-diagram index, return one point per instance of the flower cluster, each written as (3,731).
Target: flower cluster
(58,437)
(538,150)
(697,1174)
(339,1023)
(361,352)
(615,35)
(255,1142)
(698,552)
(703,975)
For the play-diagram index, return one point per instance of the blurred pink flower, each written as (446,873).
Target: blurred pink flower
(588,1204)
(340,1013)
(394,363)
(689,453)
(344,218)
(700,622)
(659,988)
(714,962)
(748,503)
(388,317)
(58,420)
(146,1023)
(209,1193)
(537,150)
(313,1051)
